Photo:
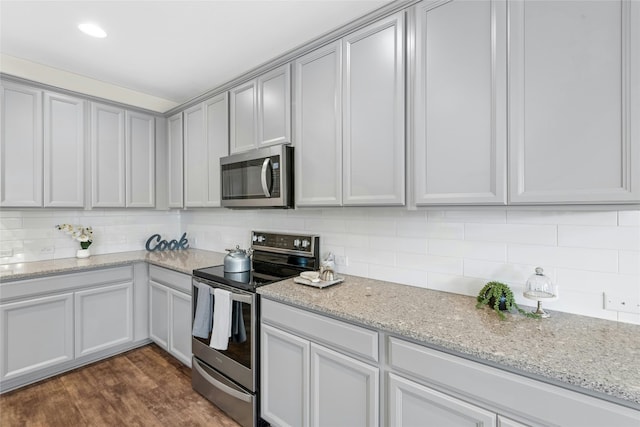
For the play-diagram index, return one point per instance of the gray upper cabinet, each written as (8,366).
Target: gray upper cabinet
(140,158)
(574,79)
(64,154)
(107,156)
(122,157)
(260,111)
(21,148)
(206,136)
(175,161)
(373,113)
(318,127)
(460,103)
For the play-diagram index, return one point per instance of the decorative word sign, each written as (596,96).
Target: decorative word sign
(155,243)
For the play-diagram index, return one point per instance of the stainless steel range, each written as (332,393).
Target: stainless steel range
(226,310)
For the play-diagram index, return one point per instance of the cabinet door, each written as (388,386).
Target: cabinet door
(217,131)
(344,391)
(140,160)
(274,106)
(318,127)
(21,146)
(174,165)
(373,127)
(64,159)
(460,100)
(574,102)
(243,118)
(35,334)
(107,156)
(195,153)
(507,422)
(412,404)
(180,326)
(284,375)
(103,318)
(159,314)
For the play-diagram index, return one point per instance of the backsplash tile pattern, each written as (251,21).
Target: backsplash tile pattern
(587,253)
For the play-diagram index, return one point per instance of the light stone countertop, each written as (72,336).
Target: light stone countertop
(184,261)
(595,356)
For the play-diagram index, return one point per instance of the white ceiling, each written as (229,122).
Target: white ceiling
(173,50)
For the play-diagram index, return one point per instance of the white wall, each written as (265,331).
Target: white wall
(585,253)
(31,234)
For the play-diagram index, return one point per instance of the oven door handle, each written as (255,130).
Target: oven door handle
(236,297)
(223,387)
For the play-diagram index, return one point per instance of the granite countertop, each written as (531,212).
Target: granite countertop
(184,261)
(596,356)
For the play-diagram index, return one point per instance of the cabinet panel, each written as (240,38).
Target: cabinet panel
(195,153)
(217,125)
(243,118)
(174,165)
(460,121)
(21,149)
(140,160)
(107,156)
(411,404)
(373,127)
(337,379)
(35,334)
(274,107)
(159,314)
(318,127)
(180,326)
(103,318)
(574,87)
(64,158)
(284,377)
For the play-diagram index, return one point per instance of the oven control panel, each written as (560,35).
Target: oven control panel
(281,242)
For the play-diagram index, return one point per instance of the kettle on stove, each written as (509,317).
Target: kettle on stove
(237,260)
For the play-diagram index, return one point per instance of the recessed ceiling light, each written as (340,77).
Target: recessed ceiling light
(92,29)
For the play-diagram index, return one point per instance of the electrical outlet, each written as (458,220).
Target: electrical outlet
(342,260)
(619,303)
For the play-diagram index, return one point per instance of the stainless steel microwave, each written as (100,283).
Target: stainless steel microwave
(261,178)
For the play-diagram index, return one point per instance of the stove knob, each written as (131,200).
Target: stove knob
(255,237)
(261,239)
(296,243)
(305,244)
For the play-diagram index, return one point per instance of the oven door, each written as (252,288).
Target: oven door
(238,361)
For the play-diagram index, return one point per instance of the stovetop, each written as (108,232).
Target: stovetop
(246,280)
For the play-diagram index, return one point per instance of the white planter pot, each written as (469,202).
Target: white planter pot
(83,253)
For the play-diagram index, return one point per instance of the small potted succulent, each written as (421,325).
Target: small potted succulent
(498,296)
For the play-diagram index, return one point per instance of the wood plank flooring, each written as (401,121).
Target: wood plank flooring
(143,387)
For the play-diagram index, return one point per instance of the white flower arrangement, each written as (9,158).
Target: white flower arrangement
(82,234)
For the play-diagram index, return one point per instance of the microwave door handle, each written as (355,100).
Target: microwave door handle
(263,177)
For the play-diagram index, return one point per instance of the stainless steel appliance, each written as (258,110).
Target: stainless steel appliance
(230,378)
(260,178)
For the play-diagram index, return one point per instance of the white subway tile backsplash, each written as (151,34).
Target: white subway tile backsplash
(629,218)
(512,233)
(503,272)
(554,256)
(596,282)
(563,217)
(434,263)
(628,318)
(585,304)
(629,263)
(489,251)
(621,238)
(10,223)
(476,216)
(455,283)
(405,276)
(412,227)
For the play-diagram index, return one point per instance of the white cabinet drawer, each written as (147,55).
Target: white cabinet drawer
(62,282)
(354,339)
(170,278)
(503,391)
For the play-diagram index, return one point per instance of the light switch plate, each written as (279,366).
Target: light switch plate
(626,304)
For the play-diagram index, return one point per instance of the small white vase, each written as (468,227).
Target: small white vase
(83,253)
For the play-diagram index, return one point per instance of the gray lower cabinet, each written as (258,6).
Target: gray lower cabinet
(574,97)
(170,312)
(56,323)
(311,370)
(412,404)
(459,149)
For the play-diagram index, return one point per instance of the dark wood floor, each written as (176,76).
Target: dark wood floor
(143,387)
